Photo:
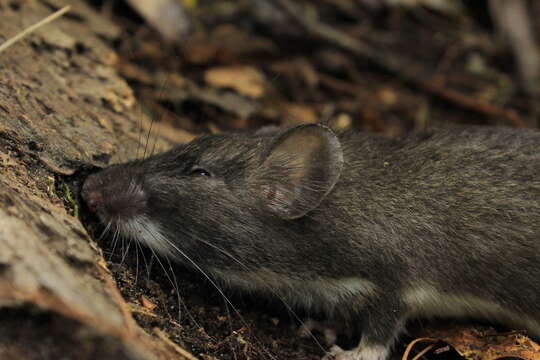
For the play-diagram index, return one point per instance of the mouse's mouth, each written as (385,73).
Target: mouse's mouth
(147,232)
(124,212)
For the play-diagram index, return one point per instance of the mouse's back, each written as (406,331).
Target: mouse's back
(456,211)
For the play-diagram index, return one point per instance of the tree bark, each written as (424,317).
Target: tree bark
(62,108)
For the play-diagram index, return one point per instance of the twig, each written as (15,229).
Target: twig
(471,103)
(423,352)
(33,28)
(393,63)
(414,342)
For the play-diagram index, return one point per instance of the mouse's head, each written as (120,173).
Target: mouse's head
(219,192)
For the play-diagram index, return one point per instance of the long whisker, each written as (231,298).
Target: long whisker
(173,281)
(136,262)
(139,248)
(280,298)
(175,285)
(156,138)
(214,284)
(149,269)
(148,138)
(180,301)
(211,282)
(122,248)
(115,242)
(139,141)
(230,329)
(152,123)
(203,273)
(105,231)
(126,251)
(133,228)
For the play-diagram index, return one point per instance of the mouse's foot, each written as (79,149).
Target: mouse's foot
(366,352)
(307,328)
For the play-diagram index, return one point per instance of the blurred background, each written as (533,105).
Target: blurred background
(387,66)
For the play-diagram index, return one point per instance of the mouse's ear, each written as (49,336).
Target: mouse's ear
(299,169)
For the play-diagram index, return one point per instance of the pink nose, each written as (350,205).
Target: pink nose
(93,200)
(110,197)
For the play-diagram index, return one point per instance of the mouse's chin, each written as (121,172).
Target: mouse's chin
(142,229)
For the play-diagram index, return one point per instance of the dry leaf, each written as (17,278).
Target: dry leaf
(245,79)
(147,304)
(296,113)
(387,96)
(487,344)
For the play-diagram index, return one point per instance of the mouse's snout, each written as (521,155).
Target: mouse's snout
(112,199)
(93,200)
(91,194)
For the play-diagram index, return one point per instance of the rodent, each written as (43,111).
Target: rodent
(367,229)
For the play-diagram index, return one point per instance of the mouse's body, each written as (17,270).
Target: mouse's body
(368,229)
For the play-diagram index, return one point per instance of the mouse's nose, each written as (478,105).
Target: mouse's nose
(91,196)
(93,199)
(112,197)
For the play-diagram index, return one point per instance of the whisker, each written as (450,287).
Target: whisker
(139,141)
(152,122)
(105,231)
(141,110)
(135,228)
(173,284)
(192,318)
(139,248)
(156,138)
(149,269)
(211,282)
(124,254)
(148,138)
(136,261)
(115,242)
(274,293)
(123,251)
(230,328)
(203,273)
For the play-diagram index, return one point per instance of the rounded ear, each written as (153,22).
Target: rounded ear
(300,168)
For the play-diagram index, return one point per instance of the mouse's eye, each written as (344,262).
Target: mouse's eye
(200,172)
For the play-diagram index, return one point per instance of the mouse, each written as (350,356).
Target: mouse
(369,230)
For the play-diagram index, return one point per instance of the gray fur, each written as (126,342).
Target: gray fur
(438,223)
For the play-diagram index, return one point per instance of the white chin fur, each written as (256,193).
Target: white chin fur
(147,232)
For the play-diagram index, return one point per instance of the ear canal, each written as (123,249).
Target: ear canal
(300,168)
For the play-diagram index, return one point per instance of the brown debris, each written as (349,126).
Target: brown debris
(246,80)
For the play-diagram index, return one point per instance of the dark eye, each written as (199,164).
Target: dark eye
(200,172)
